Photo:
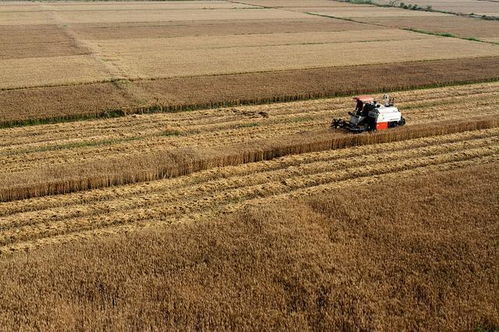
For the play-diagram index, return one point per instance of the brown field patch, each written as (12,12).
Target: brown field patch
(103,31)
(28,41)
(61,101)
(423,254)
(180,93)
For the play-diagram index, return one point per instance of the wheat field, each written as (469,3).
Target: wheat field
(68,156)
(170,165)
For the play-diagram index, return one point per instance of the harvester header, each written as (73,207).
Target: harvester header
(370,115)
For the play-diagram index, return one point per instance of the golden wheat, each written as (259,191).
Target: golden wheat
(45,220)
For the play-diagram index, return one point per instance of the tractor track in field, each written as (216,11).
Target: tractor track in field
(29,223)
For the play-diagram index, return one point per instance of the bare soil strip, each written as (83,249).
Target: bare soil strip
(51,104)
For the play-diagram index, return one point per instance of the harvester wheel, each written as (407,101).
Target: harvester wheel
(401,122)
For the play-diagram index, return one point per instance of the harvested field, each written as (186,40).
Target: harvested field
(306,263)
(20,73)
(290,4)
(170,165)
(131,5)
(43,160)
(175,44)
(49,220)
(129,30)
(240,59)
(356,11)
(27,41)
(23,105)
(460,26)
(71,17)
(480,7)
(28,17)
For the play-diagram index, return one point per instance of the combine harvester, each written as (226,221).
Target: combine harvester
(370,115)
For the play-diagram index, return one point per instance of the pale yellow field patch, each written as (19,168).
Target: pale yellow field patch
(370,11)
(113,5)
(28,17)
(18,6)
(298,3)
(174,15)
(27,72)
(117,47)
(481,7)
(152,64)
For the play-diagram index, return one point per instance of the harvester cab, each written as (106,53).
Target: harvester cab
(369,115)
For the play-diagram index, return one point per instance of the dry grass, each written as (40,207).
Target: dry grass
(312,263)
(21,105)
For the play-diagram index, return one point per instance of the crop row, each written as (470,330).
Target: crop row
(29,148)
(45,220)
(173,163)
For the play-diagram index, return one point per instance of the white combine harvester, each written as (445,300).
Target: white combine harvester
(370,115)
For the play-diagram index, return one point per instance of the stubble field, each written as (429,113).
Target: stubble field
(171,164)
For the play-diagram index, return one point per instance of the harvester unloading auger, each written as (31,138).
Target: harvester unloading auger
(370,115)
